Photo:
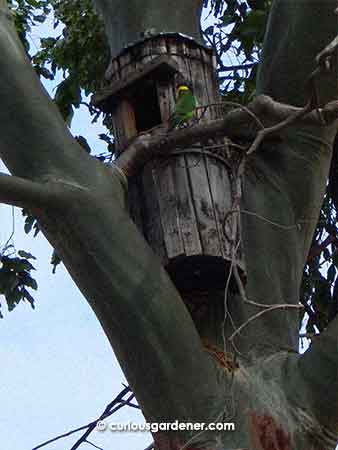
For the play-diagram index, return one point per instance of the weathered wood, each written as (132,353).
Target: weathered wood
(185,208)
(118,130)
(150,204)
(203,205)
(117,117)
(198,75)
(165,186)
(128,119)
(163,66)
(210,84)
(159,47)
(165,101)
(220,188)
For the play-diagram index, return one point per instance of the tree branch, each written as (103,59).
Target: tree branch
(116,404)
(315,379)
(20,192)
(236,124)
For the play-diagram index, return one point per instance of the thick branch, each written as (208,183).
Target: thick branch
(29,194)
(237,124)
(127,22)
(292,42)
(314,381)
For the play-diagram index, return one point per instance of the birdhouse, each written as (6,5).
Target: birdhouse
(181,202)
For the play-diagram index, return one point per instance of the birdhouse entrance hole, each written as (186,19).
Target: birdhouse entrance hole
(146,106)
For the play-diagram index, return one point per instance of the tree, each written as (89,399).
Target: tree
(276,397)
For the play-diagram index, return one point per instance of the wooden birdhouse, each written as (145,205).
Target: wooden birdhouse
(180,203)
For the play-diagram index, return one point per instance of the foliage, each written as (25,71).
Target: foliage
(27,14)
(79,50)
(237,38)
(16,278)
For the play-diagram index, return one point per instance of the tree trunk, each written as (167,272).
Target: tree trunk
(276,398)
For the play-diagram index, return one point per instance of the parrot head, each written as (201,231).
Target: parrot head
(183,89)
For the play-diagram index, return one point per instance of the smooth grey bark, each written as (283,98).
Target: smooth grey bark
(127,21)
(142,314)
(285,182)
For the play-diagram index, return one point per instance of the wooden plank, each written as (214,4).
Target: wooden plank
(133,72)
(210,84)
(185,207)
(128,119)
(159,46)
(164,99)
(198,80)
(109,73)
(146,53)
(124,61)
(117,131)
(119,128)
(153,231)
(172,51)
(203,205)
(167,198)
(220,188)
(177,53)
(115,70)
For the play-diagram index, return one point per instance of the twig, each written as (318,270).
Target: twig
(128,403)
(259,314)
(150,447)
(323,60)
(317,249)
(244,67)
(308,335)
(6,245)
(108,411)
(262,134)
(93,445)
(235,105)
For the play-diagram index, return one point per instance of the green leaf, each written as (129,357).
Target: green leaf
(41,18)
(331,273)
(26,255)
(27,296)
(13,298)
(28,281)
(55,261)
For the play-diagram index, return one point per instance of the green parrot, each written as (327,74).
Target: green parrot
(185,107)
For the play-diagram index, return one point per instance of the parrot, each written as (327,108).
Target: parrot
(185,107)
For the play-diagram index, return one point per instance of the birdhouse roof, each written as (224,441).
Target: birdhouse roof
(177,36)
(161,67)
